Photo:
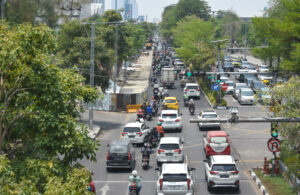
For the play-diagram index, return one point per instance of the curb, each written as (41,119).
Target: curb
(261,187)
(210,104)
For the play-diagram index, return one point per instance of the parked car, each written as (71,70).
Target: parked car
(135,132)
(246,96)
(257,86)
(221,171)
(192,90)
(171,103)
(230,88)
(170,119)
(208,114)
(237,88)
(170,149)
(216,143)
(120,154)
(175,179)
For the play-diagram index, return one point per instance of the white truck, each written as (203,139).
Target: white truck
(167,78)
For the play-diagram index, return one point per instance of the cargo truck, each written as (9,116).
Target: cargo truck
(167,78)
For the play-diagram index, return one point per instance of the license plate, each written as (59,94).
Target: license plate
(169,154)
(224,176)
(118,159)
(174,187)
(131,136)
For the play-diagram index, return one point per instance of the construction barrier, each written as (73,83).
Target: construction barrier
(133,108)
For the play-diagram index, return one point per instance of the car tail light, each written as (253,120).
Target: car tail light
(176,104)
(178,150)
(107,156)
(189,184)
(160,150)
(234,172)
(214,172)
(160,184)
(129,155)
(160,120)
(187,90)
(237,182)
(227,150)
(177,120)
(209,150)
(140,133)
(197,89)
(124,133)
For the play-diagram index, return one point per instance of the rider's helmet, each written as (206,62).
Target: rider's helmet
(140,111)
(159,123)
(134,173)
(152,98)
(191,100)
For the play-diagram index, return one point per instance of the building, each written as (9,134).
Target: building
(92,8)
(117,4)
(129,8)
(141,19)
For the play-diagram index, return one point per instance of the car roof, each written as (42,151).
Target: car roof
(209,111)
(216,133)
(194,84)
(134,124)
(229,81)
(169,112)
(174,168)
(237,84)
(119,142)
(222,159)
(246,89)
(169,140)
(170,98)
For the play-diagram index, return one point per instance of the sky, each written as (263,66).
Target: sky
(243,8)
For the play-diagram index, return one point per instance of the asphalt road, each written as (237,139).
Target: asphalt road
(248,143)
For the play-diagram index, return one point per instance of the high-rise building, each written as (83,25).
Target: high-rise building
(131,10)
(92,8)
(117,4)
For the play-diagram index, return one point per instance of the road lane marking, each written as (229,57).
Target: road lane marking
(124,181)
(243,161)
(192,146)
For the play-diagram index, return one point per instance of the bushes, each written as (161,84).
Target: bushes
(212,95)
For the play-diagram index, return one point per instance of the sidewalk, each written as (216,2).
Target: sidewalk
(250,59)
(138,80)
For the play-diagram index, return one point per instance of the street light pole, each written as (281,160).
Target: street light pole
(92,72)
(116,58)
(2,10)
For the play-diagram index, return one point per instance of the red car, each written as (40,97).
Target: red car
(216,143)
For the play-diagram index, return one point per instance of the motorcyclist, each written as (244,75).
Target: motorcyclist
(146,151)
(153,105)
(144,108)
(160,129)
(140,115)
(191,104)
(149,110)
(135,178)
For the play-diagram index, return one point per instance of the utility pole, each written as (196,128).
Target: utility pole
(3,10)
(116,58)
(245,41)
(92,72)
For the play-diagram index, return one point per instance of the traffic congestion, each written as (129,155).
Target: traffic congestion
(160,152)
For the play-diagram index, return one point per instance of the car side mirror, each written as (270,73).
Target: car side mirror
(107,145)
(237,160)
(157,169)
(181,114)
(193,169)
(205,160)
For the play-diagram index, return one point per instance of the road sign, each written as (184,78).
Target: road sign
(224,86)
(274,145)
(215,87)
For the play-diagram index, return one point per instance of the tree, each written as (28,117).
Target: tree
(38,109)
(193,36)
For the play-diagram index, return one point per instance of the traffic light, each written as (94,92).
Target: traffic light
(274,130)
(218,78)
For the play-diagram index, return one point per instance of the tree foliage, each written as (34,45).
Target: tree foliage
(193,36)
(282,32)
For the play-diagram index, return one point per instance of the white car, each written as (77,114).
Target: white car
(246,96)
(175,179)
(208,114)
(170,149)
(170,119)
(223,79)
(230,88)
(237,88)
(135,132)
(192,90)
(221,171)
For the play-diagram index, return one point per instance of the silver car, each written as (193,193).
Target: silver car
(208,114)
(237,88)
(170,149)
(170,119)
(221,171)
(175,179)
(135,132)
(246,96)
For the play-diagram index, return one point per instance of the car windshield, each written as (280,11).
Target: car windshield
(240,87)
(169,146)
(245,63)
(247,93)
(251,68)
(175,177)
(170,101)
(169,116)
(192,87)
(225,167)
(210,116)
(230,84)
(131,129)
(218,140)
(118,149)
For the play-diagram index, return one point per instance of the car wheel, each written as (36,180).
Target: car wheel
(158,164)
(108,169)
(208,187)
(180,129)
(200,128)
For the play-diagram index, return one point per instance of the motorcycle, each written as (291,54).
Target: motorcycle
(192,109)
(145,162)
(148,117)
(133,189)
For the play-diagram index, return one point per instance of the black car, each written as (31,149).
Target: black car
(228,67)
(120,155)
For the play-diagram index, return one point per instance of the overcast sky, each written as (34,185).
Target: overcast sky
(244,8)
